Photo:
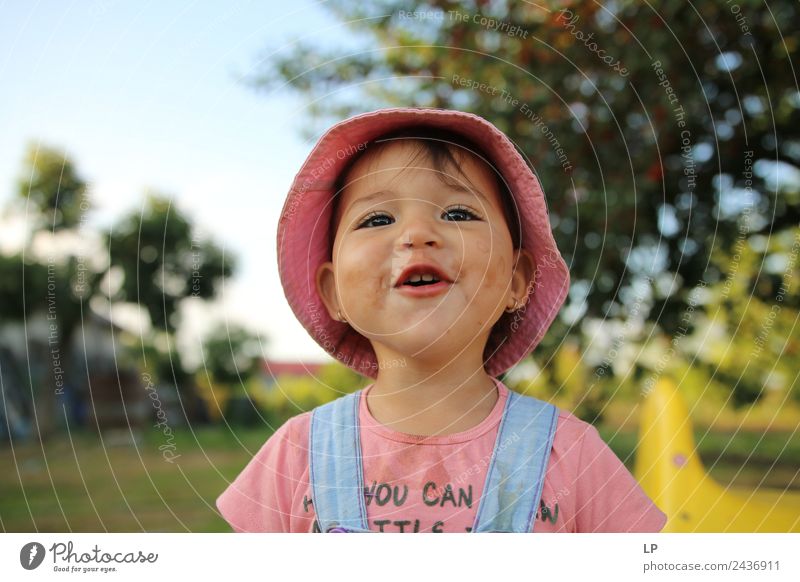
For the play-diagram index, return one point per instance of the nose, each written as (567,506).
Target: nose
(418,232)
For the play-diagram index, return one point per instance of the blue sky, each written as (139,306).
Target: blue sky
(148,95)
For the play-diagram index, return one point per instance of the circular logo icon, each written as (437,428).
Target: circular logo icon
(31,555)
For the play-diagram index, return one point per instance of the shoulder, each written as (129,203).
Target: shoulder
(607,496)
(568,422)
(291,436)
(572,438)
(283,450)
(572,428)
(578,444)
(295,426)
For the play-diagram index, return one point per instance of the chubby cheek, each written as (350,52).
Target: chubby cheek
(361,279)
(493,259)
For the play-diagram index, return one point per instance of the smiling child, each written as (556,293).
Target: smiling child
(415,247)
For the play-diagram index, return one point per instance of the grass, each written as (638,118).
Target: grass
(79,485)
(91,487)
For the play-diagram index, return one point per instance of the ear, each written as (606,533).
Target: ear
(522,278)
(326,288)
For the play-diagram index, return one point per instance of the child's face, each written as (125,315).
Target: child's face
(392,216)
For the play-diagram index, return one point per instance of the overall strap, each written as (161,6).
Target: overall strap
(336,472)
(516,473)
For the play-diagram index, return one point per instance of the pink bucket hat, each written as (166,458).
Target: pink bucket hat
(304,236)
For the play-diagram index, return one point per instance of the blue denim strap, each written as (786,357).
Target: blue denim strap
(336,471)
(516,473)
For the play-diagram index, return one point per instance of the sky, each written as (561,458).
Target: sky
(150,96)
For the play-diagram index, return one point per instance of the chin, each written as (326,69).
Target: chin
(426,347)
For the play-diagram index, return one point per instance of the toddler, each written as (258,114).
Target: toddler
(415,247)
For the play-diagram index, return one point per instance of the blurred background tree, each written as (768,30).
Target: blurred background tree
(680,128)
(66,271)
(52,275)
(55,201)
(55,193)
(231,360)
(156,261)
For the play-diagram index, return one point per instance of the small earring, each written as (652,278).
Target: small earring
(339,317)
(514,308)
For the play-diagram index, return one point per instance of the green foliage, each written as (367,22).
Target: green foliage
(157,261)
(764,353)
(231,355)
(56,204)
(17,301)
(291,395)
(51,184)
(161,262)
(651,153)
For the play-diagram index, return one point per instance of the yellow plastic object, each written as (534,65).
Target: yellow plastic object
(671,473)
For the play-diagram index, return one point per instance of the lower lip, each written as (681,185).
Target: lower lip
(424,290)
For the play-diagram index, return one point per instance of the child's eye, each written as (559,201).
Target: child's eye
(375,219)
(456,214)
(460,213)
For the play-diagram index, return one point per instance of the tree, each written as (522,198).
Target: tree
(651,129)
(231,355)
(53,188)
(231,361)
(52,276)
(157,260)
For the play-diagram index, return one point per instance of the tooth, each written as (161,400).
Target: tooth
(427,277)
(414,278)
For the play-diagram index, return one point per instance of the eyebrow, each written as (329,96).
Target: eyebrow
(383,193)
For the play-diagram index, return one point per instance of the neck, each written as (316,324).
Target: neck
(427,398)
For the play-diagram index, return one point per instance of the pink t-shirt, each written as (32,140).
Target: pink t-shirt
(434,483)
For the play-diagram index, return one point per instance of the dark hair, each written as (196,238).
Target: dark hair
(442,148)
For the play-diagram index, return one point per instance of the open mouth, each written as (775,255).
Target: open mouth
(421,280)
